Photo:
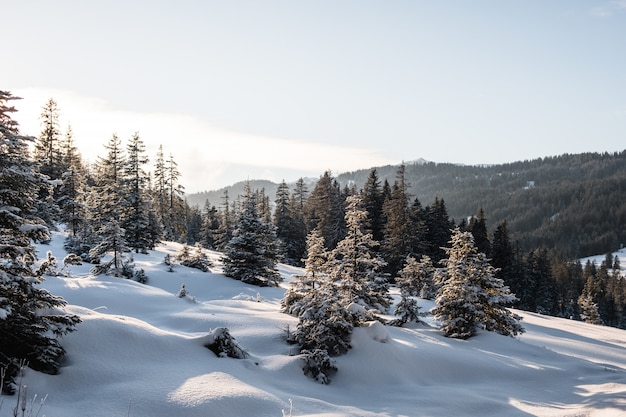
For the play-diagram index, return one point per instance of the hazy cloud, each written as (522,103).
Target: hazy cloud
(206,154)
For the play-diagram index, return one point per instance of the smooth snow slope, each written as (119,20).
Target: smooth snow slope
(139,352)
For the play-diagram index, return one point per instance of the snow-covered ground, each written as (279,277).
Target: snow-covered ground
(139,352)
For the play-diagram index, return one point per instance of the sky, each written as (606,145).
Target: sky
(280,89)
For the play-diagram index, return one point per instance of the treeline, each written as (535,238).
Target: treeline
(117,206)
(572,205)
(114,204)
(403,228)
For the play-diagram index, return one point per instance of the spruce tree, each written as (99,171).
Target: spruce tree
(478,227)
(438,229)
(324,210)
(315,266)
(210,226)
(397,243)
(71,192)
(112,243)
(355,265)
(373,201)
(31,319)
(251,255)
(136,222)
(470,296)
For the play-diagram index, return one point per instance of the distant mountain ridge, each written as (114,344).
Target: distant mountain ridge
(573,204)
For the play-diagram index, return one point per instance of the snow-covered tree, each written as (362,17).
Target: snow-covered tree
(314,275)
(113,244)
(355,265)
(71,191)
(324,322)
(136,220)
(31,319)
(470,296)
(107,195)
(251,255)
(417,277)
(196,259)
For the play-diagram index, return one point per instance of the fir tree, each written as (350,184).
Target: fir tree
(108,193)
(136,222)
(251,255)
(478,228)
(324,210)
(373,201)
(71,192)
(315,266)
(397,243)
(31,319)
(438,229)
(112,241)
(224,232)
(356,266)
(470,296)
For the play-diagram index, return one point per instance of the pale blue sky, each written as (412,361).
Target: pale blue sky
(340,85)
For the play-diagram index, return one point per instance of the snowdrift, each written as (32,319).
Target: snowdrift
(140,352)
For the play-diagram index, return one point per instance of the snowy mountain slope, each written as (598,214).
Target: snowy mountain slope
(139,352)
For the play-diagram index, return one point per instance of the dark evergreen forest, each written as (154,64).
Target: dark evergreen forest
(572,205)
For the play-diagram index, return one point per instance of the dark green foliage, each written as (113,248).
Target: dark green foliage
(198,259)
(572,204)
(251,254)
(220,342)
(318,365)
(31,319)
(324,210)
(470,296)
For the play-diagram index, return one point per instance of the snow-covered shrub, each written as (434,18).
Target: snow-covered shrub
(167,260)
(141,277)
(318,365)
(197,259)
(220,342)
(48,266)
(407,310)
(182,292)
(128,268)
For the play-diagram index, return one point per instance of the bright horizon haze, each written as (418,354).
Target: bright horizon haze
(281,90)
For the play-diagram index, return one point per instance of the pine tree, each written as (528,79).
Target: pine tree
(324,210)
(373,201)
(113,242)
(356,266)
(224,232)
(417,278)
(71,192)
(470,296)
(315,266)
(478,227)
(251,254)
(438,229)
(108,192)
(31,319)
(136,222)
(175,226)
(47,154)
(398,242)
(210,226)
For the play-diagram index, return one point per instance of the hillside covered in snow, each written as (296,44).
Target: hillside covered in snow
(139,351)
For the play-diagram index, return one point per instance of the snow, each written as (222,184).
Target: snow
(140,352)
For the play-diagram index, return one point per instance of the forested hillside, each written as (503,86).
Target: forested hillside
(572,205)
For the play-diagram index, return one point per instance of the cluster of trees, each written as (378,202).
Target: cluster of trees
(353,242)
(112,206)
(31,319)
(570,204)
